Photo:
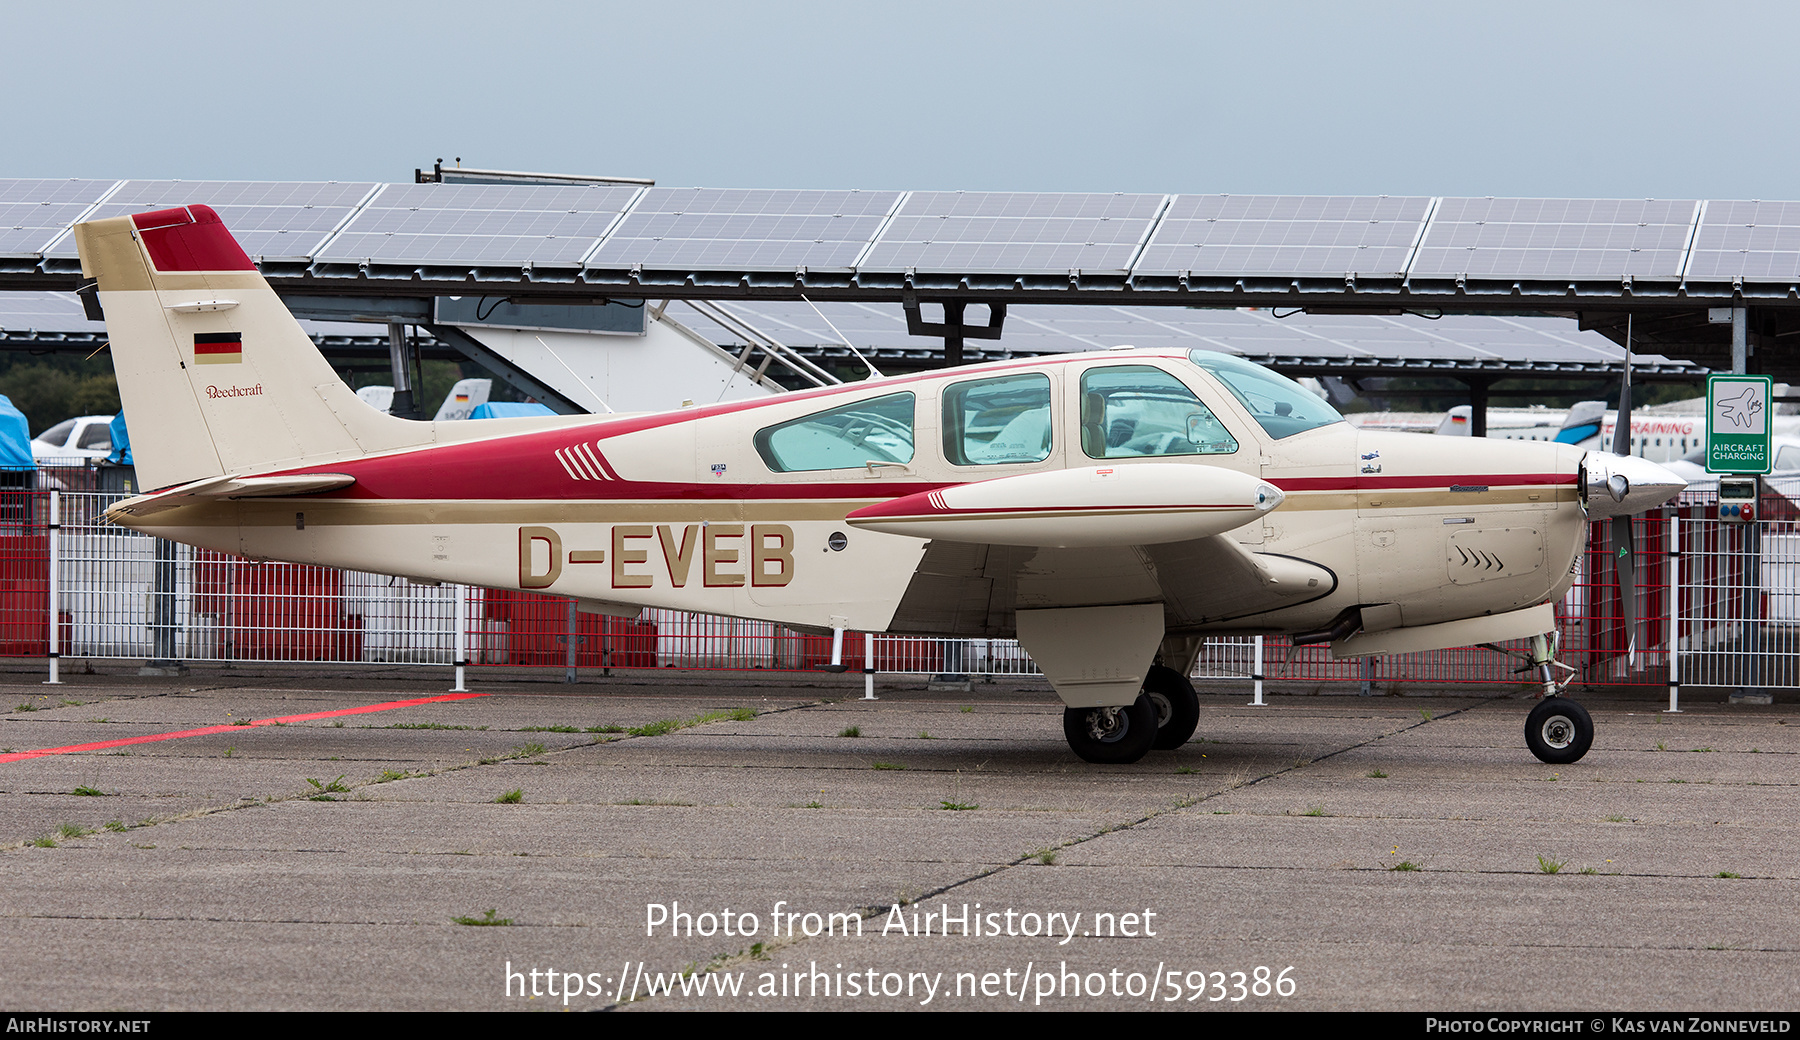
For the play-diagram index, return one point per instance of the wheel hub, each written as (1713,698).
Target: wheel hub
(1107,724)
(1559,732)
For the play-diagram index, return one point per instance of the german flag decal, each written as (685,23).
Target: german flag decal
(218,348)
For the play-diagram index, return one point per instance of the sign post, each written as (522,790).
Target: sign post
(1737,442)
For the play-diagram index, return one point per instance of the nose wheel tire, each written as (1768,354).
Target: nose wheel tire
(1177,707)
(1111,736)
(1559,731)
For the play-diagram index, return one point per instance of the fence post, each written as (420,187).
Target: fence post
(462,635)
(1674,615)
(869,666)
(55,529)
(1256,673)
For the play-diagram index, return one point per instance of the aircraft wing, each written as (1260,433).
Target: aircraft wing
(1092,536)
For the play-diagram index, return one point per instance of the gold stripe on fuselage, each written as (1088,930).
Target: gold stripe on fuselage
(1428,498)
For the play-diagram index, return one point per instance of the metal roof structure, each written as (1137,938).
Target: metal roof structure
(1664,263)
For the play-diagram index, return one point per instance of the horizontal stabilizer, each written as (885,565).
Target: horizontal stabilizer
(215,488)
(1143,504)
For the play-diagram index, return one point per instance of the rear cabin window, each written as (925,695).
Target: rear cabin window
(1131,411)
(879,430)
(993,422)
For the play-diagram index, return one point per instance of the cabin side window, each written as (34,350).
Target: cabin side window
(993,422)
(878,430)
(1133,411)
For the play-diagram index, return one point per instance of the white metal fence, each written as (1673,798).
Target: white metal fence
(1730,595)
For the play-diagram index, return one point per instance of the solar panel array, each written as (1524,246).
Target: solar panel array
(1228,235)
(1753,240)
(480,225)
(1557,238)
(746,229)
(1014,232)
(1055,328)
(34,212)
(617,228)
(273,220)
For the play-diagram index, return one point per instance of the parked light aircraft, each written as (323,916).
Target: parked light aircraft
(1109,508)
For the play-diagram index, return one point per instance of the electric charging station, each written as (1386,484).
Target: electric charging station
(1738,448)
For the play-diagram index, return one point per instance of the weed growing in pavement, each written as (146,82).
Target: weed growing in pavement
(485,920)
(1549,866)
(512,797)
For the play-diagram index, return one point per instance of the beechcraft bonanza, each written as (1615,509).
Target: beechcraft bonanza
(1110,508)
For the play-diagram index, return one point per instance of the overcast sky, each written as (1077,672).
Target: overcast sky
(1517,98)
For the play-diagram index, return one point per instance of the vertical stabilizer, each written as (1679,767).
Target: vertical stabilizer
(216,377)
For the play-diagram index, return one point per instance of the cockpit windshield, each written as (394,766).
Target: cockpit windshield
(1279,405)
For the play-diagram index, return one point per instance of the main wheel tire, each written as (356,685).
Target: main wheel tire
(1111,736)
(1177,707)
(1559,731)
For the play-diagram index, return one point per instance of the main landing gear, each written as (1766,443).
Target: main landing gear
(1162,718)
(1558,730)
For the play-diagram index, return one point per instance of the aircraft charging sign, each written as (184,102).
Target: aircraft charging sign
(1737,424)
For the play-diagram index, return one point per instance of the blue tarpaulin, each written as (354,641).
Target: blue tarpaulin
(15,438)
(509,410)
(121,442)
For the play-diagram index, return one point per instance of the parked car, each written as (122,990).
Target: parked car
(83,437)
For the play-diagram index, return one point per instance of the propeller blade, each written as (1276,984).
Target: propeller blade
(1625,568)
(1622,426)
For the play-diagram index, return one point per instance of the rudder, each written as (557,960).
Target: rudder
(215,375)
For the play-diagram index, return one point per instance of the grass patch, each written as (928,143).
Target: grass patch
(1186,770)
(390,775)
(967,709)
(549,729)
(662,726)
(1047,857)
(1376,774)
(808,805)
(528,750)
(605,729)
(512,797)
(851,731)
(115,825)
(420,725)
(71,704)
(45,842)
(1407,864)
(232,750)
(887,765)
(89,792)
(486,920)
(958,806)
(240,722)
(1549,866)
(27,706)
(73,830)
(1587,870)
(1727,874)
(660,801)
(925,736)
(1314,810)
(1424,714)
(1615,819)
(334,787)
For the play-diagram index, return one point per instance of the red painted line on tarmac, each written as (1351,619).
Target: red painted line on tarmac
(101,745)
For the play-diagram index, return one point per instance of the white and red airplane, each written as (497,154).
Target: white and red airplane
(1109,508)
